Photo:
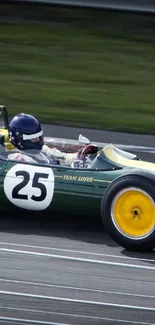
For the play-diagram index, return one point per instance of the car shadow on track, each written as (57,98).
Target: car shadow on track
(83,228)
(148,256)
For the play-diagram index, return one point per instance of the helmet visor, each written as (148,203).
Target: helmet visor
(33,141)
(32,136)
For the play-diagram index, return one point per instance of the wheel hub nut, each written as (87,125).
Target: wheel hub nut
(136,213)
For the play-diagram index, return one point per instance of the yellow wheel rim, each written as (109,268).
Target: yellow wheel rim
(133,213)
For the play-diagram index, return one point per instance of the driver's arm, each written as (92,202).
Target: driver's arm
(69,158)
(63,157)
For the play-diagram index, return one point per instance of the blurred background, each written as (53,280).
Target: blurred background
(87,66)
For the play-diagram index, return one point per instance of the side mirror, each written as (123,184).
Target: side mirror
(83,140)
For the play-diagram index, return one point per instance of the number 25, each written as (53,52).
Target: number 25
(35,184)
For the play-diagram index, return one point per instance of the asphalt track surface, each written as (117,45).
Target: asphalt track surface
(99,135)
(136,5)
(68,271)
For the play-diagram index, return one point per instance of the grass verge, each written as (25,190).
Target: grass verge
(79,67)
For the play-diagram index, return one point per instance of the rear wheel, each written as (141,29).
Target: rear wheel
(128,212)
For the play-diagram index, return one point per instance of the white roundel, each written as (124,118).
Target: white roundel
(29,187)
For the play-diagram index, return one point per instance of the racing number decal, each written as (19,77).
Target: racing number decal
(35,183)
(29,187)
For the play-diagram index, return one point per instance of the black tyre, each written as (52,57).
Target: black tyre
(128,211)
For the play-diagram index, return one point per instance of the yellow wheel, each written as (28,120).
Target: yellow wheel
(133,213)
(128,211)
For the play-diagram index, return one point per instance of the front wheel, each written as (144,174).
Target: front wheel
(128,212)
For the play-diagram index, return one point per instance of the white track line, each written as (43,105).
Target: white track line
(77,316)
(30,321)
(75,288)
(88,302)
(77,259)
(78,252)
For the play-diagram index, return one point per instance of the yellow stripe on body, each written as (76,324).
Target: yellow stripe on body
(102,180)
(114,156)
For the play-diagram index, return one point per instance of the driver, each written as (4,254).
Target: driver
(26,135)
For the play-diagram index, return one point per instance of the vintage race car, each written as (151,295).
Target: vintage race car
(114,184)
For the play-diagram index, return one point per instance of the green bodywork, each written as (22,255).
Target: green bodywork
(78,191)
(82,191)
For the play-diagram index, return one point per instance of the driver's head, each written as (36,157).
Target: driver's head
(25,132)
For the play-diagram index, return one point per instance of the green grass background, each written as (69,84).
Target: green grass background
(79,67)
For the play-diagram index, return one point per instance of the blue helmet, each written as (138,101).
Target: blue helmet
(25,132)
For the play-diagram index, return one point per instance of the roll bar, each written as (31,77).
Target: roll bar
(4,112)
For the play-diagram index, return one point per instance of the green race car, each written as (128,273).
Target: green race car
(112,183)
